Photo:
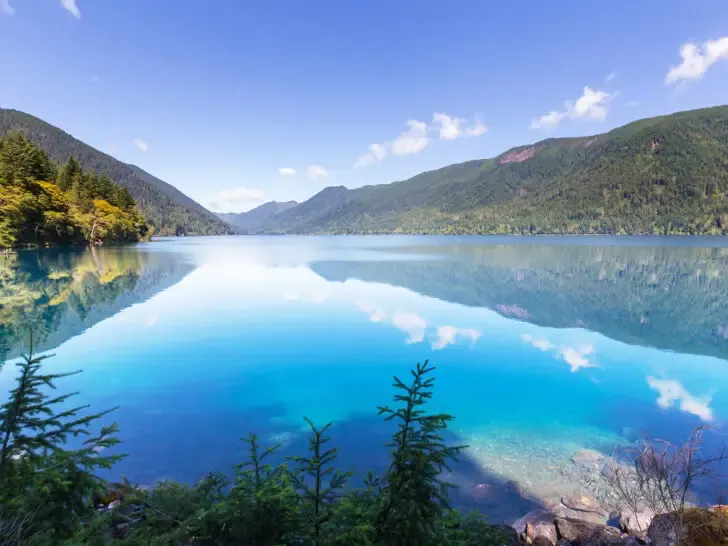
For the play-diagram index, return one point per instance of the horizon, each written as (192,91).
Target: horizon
(243,105)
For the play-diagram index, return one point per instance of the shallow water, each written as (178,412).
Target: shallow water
(543,347)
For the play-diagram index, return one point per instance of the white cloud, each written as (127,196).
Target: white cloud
(610,77)
(479,128)
(416,137)
(95,79)
(70,5)
(412,324)
(151,321)
(697,59)
(5,7)
(448,335)
(376,153)
(141,145)
(317,171)
(541,344)
(672,391)
(592,105)
(236,199)
(376,314)
(576,357)
(450,127)
(286,171)
(548,120)
(413,140)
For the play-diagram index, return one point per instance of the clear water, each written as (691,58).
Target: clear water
(543,347)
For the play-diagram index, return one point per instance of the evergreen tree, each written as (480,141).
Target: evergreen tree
(43,481)
(320,496)
(68,174)
(414,497)
(21,161)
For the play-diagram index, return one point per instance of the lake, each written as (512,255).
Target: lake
(544,347)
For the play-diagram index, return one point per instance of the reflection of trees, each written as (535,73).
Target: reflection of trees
(667,297)
(62,292)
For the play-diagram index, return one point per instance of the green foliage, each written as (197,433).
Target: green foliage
(167,210)
(318,498)
(46,486)
(414,497)
(656,176)
(39,208)
(49,491)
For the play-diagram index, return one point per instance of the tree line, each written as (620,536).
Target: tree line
(43,205)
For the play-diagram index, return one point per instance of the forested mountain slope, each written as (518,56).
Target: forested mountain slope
(255,218)
(666,174)
(166,209)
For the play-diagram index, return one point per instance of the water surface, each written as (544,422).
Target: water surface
(543,347)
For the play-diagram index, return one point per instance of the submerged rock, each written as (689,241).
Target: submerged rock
(584,503)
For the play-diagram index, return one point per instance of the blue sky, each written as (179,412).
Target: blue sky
(217,97)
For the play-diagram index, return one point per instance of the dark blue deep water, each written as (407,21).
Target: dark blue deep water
(543,347)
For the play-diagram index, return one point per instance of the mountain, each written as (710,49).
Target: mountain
(166,208)
(667,174)
(255,218)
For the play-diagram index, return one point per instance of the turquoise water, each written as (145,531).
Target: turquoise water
(543,347)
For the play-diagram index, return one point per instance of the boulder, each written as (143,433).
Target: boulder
(663,530)
(585,533)
(635,524)
(508,535)
(542,541)
(537,523)
(563,542)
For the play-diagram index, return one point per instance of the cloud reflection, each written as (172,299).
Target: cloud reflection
(672,392)
(541,344)
(411,323)
(576,357)
(448,335)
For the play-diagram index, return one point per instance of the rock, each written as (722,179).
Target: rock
(114,504)
(539,522)
(120,531)
(586,533)
(512,486)
(663,530)
(583,503)
(635,524)
(588,458)
(563,542)
(508,535)
(542,541)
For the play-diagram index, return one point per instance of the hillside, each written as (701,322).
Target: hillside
(255,218)
(166,209)
(661,175)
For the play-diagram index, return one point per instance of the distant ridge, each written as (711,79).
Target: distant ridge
(661,175)
(255,218)
(166,208)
